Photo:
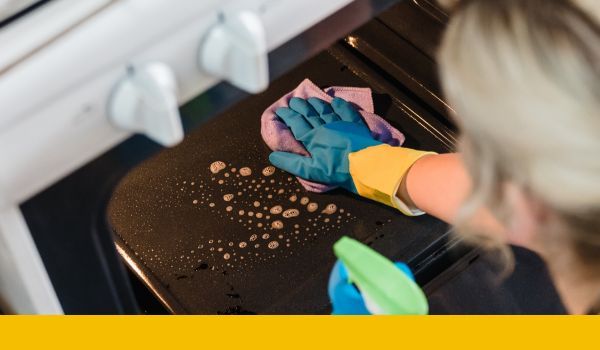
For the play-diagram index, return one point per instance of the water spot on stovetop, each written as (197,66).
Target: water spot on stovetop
(232,232)
(273,212)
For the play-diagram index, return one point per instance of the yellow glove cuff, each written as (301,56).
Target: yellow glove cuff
(378,171)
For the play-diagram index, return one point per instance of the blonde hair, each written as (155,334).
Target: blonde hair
(523,77)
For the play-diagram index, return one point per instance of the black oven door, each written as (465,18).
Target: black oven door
(140,198)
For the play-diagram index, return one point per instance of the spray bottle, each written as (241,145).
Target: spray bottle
(364,282)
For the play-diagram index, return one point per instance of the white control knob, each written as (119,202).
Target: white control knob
(145,101)
(235,49)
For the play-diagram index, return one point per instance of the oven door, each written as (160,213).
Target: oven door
(70,222)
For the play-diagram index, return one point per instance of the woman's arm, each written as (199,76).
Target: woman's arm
(438,184)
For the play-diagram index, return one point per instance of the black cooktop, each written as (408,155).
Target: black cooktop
(215,241)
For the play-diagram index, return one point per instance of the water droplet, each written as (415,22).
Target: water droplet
(245,171)
(276,210)
(217,166)
(268,171)
(329,209)
(290,213)
(277,224)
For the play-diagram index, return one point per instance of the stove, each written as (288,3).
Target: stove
(90,89)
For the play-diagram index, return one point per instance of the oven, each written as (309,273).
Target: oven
(114,110)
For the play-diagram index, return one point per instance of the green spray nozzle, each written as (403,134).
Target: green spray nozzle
(380,281)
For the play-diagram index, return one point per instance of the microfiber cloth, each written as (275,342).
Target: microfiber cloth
(279,137)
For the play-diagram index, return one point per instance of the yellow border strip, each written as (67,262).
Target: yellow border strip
(292,332)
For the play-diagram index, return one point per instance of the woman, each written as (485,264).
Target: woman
(523,79)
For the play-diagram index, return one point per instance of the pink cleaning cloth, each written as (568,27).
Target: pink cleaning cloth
(279,137)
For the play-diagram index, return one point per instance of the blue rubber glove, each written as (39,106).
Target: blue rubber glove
(345,297)
(329,132)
